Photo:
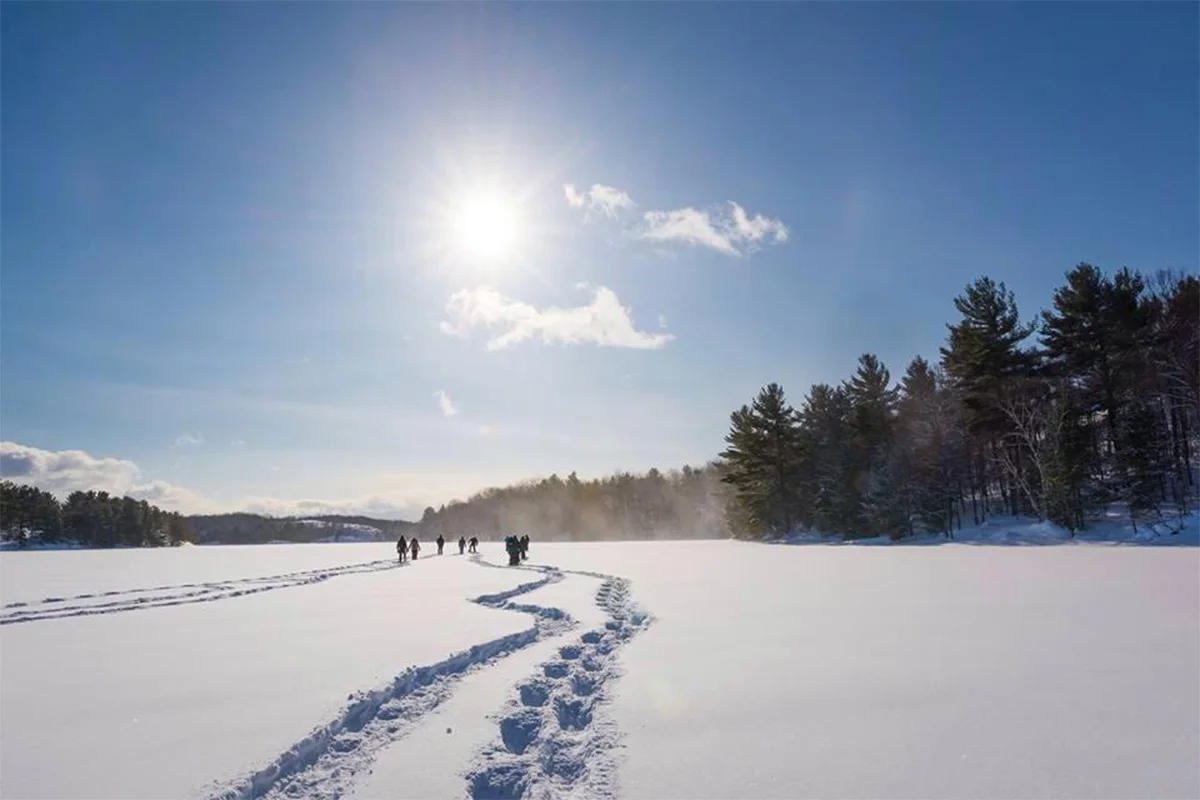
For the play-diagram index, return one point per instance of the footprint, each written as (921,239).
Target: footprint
(570,652)
(555,669)
(534,694)
(499,782)
(591,637)
(583,684)
(573,714)
(519,730)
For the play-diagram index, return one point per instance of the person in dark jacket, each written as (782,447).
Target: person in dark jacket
(474,545)
(440,543)
(524,542)
(462,544)
(512,546)
(402,549)
(415,547)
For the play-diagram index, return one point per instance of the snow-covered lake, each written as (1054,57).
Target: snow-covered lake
(650,670)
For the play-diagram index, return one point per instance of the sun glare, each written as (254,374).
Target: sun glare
(486,227)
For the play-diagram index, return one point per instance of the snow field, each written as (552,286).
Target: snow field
(161,702)
(641,670)
(954,671)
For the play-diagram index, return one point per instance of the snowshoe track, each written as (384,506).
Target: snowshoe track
(332,757)
(121,600)
(556,738)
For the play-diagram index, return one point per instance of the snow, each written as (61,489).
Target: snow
(1112,527)
(656,670)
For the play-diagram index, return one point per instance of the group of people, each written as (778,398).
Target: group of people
(407,547)
(517,548)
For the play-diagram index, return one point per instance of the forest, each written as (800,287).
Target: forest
(241,528)
(90,519)
(680,504)
(1094,402)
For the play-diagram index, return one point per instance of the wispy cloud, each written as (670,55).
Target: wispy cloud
(604,321)
(187,440)
(486,430)
(64,471)
(726,229)
(238,443)
(445,403)
(606,200)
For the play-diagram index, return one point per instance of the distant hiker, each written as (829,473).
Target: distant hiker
(415,547)
(402,548)
(440,543)
(512,546)
(462,545)
(474,544)
(524,542)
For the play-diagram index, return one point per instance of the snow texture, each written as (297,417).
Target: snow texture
(646,670)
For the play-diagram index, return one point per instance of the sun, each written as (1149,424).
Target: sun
(486,226)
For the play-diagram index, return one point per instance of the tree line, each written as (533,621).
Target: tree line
(244,528)
(1095,401)
(92,519)
(684,503)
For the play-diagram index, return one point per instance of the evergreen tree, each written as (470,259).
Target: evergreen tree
(983,359)
(762,459)
(826,465)
(1142,460)
(872,406)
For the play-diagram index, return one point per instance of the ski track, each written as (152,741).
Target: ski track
(181,594)
(555,736)
(328,761)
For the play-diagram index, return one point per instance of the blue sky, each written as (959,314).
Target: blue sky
(237,270)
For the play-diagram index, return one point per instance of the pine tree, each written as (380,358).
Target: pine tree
(982,359)
(1142,460)
(872,404)
(762,461)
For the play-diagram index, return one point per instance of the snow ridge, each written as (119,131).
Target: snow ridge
(555,738)
(121,600)
(328,761)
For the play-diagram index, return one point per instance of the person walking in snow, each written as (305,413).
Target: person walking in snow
(401,549)
(524,543)
(474,545)
(440,543)
(462,545)
(513,546)
(415,547)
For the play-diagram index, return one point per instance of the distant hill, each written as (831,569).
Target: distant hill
(244,528)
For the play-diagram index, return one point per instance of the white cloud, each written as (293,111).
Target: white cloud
(574,198)
(486,430)
(726,229)
(188,440)
(64,471)
(604,321)
(445,403)
(688,226)
(607,200)
(759,227)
